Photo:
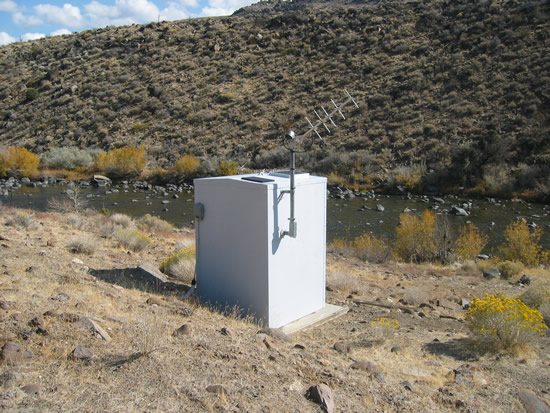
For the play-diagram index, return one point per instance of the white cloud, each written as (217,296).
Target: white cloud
(126,12)
(32,36)
(141,10)
(8,6)
(21,20)
(60,32)
(211,11)
(223,7)
(173,13)
(188,3)
(228,4)
(6,38)
(68,15)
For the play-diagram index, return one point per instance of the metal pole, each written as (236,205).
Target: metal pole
(292,224)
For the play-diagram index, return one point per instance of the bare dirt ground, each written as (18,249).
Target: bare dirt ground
(51,304)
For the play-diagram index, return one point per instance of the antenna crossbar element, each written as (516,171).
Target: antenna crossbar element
(328,117)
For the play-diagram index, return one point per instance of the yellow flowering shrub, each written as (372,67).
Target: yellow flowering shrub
(181,264)
(383,328)
(503,323)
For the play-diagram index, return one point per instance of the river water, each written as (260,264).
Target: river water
(345,218)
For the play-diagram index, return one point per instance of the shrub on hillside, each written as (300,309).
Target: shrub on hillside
(365,247)
(509,269)
(503,323)
(69,158)
(470,242)
(181,264)
(132,239)
(383,328)
(83,245)
(187,166)
(522,244)
(126,162)
(151,223)
(538,296)
(16,161)
(22,220)
(414,238)
(227,167)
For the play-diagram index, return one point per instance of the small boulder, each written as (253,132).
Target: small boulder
(491,273)
(14,354)
(81,353)
(342,347)
(31,388)
(182,331)
(11,378)
(217,389)
(322,395)
(531,403)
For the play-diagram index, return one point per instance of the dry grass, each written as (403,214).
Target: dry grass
(151,223)
(145,367)
(121,220)
(86,244)
(23,220)
(132,239)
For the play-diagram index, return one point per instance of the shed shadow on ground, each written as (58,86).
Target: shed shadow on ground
(146,278)
(461,349)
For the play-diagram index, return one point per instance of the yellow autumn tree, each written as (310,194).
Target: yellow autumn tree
(16,161)
(126,162)
(471,242)
(414,241)
(522,244)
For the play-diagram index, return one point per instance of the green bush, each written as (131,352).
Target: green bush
(31,94)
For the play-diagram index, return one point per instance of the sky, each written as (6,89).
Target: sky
(23,20)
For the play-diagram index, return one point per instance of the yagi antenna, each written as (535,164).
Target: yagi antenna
(291,140)
(328,117)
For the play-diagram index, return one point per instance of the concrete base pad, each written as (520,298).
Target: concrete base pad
(327,313)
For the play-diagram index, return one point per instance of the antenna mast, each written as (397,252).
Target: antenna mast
(292,140)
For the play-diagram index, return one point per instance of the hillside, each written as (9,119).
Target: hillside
(458,88)
(77,335)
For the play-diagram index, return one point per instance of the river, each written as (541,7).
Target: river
(345,218)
